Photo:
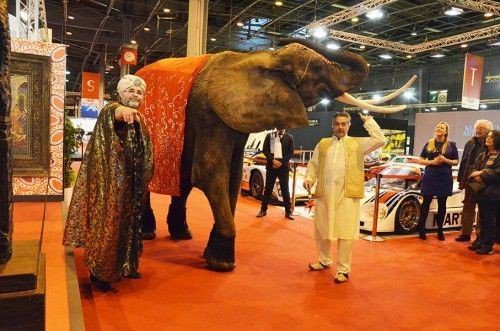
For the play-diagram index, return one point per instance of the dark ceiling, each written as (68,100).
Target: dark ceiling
(100,27)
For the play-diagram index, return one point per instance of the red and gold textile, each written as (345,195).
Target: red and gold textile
(169,83)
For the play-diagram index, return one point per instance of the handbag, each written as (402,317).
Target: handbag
(475,186)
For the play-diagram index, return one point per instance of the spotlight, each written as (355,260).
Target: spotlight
(375,14)
(71,17)
(333,46)
(362,47)
(213,39)
(354,19)
(386,56)
(454,11)
(240,24)
(320,33)
(488,15)
(278,3)
(325,101)
(166,10)
(437,55)
(409,56)
(133,42)
(69,33)
(464,45)
(146,28)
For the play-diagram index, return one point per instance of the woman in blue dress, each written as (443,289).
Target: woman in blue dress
(438,155)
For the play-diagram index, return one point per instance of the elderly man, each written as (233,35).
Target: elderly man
(472,149)
(105,213)
(337,166)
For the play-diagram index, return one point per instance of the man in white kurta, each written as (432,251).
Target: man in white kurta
(337,166)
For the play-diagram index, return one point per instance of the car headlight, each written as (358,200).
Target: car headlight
(382,210)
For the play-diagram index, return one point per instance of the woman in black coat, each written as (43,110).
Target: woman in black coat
(487,171)
(438,155)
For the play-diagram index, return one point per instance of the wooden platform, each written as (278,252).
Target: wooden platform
(22,286)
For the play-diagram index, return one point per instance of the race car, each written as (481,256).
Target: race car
(400,202)
(254,180)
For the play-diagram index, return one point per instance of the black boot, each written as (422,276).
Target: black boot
(100,284)
(176,222)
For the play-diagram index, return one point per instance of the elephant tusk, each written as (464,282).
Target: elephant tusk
(393,94)
(350,100)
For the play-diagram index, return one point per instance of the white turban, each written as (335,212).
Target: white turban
(128,81)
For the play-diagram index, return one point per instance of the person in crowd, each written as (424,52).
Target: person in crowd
(487,171)
(278,149)
(105,212)
(472,149)
(337,167)
(438,155)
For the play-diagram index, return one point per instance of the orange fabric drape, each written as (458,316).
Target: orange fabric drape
(169,83)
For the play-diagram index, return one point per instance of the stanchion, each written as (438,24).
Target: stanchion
(292,207)
(373,236)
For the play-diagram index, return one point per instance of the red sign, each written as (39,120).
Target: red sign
(128,56)
(90,85)
(473,78)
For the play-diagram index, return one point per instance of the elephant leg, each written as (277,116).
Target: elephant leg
(176,217)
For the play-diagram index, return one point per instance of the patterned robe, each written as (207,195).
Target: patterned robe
(104,216)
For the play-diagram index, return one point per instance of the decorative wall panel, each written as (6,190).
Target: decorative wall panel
(51,181)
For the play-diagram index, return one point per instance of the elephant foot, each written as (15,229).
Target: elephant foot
(219,252)
(177,225)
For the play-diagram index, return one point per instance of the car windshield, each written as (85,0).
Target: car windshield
(398,178)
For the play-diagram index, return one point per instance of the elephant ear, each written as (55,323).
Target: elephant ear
(250,94)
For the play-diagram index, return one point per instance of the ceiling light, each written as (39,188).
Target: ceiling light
(375,14)
(362,47)
(488,15)
(464,45)
(333,46)
(454,11)
(72,17)
(240,24)
(413,33)
(68,73)
(437,55)
(409,56)
(69,33)
(213,39)
(385,56)
(111,67)
(320,33)
(432,30)
(67,80)
(146,28)
(271,48)
(325,101)
(133,42)
(354,19)
(278,3)
(408,94)
(166,10)
(483,106)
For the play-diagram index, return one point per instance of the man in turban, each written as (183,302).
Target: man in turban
(106,210)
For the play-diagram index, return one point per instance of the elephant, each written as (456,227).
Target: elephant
(235,94)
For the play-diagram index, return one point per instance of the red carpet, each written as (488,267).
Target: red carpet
(401,283)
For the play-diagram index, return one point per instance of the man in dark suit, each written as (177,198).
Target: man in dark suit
(278,149)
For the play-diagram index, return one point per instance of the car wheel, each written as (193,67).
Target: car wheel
(256,185)
(407,216)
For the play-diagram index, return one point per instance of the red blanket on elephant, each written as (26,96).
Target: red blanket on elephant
(168,82)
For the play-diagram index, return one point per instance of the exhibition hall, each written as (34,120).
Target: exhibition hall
(249,164)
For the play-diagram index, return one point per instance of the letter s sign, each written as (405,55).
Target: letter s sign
(90,85)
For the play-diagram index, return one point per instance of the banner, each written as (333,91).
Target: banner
(473,77)
(90,85)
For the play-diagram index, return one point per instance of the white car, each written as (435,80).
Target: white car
(400,202)
(254,180)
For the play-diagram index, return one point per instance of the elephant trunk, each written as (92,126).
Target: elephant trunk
(353,76)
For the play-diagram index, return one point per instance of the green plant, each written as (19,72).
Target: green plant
(71,144)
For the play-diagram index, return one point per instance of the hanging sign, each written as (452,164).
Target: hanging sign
(90,85)
(473,77)
(128,56)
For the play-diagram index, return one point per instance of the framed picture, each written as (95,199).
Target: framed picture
(30,114)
